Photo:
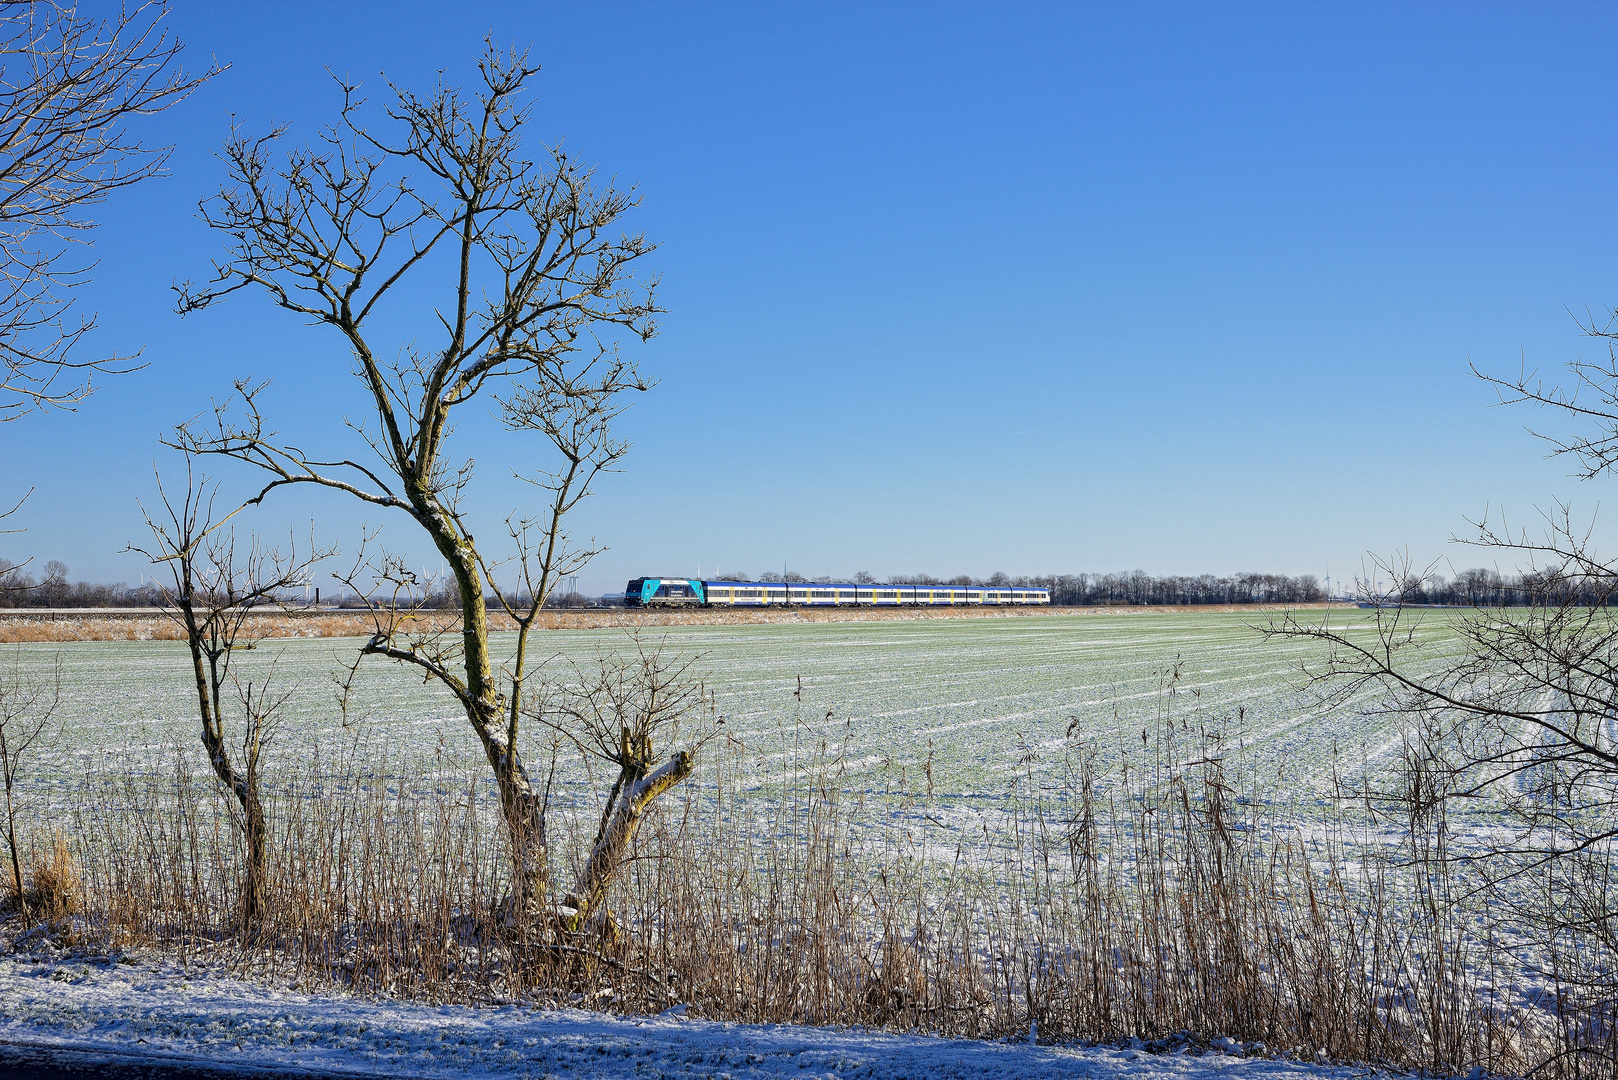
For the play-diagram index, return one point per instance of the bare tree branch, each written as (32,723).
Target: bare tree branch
(1523,716)
(69,87)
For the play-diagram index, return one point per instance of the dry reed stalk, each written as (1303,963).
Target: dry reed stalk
(55,888)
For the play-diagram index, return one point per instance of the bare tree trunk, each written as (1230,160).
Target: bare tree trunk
(254,902)
(242,786)
(485,708)
(11,826)
(634,792)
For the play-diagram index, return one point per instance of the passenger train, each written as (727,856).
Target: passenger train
(690,592)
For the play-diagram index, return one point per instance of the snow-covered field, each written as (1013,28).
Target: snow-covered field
(134,1008)
(972,709)
(973,696)
(964,710)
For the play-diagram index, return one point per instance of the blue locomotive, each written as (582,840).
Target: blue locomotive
(690,592)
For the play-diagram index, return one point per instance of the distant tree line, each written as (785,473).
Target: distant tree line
(1569,587)
(1138,588)
(1131,588)
(20,587)
(1469,588)
(51,588)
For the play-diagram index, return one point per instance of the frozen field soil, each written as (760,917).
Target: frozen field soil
(972,694)
(965,710)
(140,1009)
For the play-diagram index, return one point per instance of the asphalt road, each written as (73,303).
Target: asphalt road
(41,1063)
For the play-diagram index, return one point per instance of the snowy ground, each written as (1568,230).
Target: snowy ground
(124,1009)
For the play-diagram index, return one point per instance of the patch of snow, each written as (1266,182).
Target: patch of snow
(152,1009)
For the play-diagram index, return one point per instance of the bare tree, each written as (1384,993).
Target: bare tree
(15,580)
(26,711)
(1525,714)
(69,86)
(538,285)
(214,588)
(53,588)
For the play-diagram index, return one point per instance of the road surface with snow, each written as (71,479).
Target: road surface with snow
(138,1016)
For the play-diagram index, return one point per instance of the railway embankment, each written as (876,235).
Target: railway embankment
(152,624)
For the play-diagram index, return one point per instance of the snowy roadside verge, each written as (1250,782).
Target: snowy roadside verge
(158,1011)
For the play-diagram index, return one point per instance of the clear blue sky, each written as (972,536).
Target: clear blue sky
(1181,288)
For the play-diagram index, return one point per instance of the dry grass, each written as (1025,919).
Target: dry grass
(55,887)
(1141,909)
(18,625)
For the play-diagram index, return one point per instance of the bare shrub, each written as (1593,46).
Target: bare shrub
(214,586)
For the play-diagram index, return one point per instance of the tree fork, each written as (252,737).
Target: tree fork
(636,791)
